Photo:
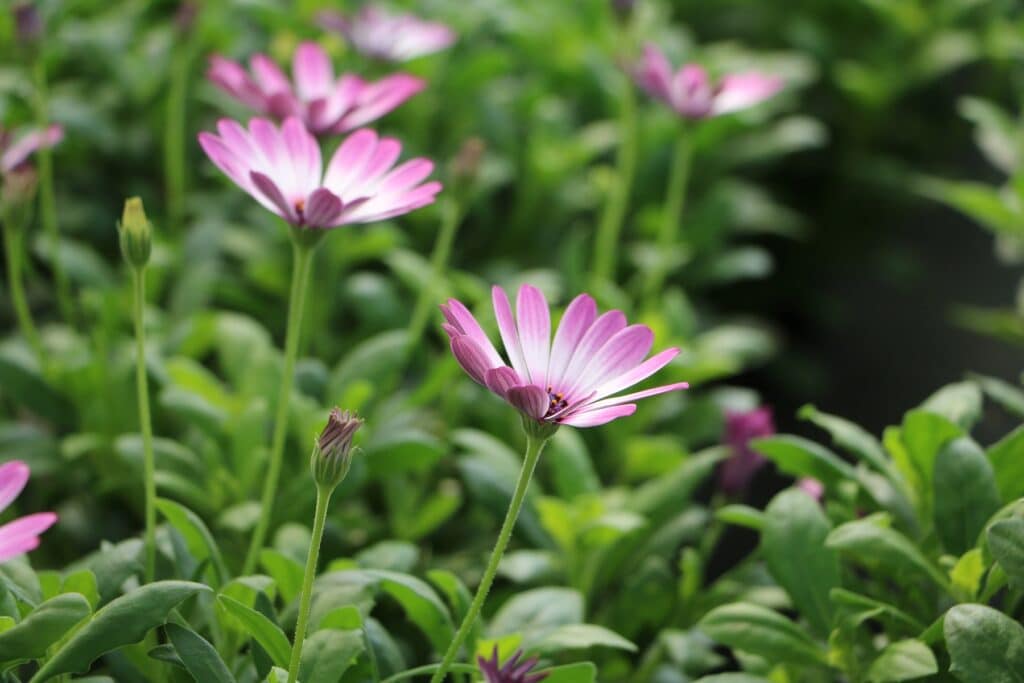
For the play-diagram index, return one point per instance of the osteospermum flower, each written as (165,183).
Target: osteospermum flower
(327,105)
(21,535)
(572,380)
(380,34)
(513,671)
(14,154)
(283,170)
(691,92)
(735,473)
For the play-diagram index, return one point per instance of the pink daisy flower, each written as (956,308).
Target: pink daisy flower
(327,105)
(283,170)
(692,94)
(377,33)
(572,380)
(14,154)
(21,535)
(736,473)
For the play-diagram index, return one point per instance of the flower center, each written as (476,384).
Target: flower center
(556,402)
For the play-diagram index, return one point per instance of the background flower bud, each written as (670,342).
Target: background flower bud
(28,25)
(136,233)
(332,454)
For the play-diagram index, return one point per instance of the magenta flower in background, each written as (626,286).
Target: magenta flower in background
(283,170)
(21,535)
(735,473)
(513,671)
(327,105)
(812,487)
(572,380)
(380,34)
(15,154)
(691,92)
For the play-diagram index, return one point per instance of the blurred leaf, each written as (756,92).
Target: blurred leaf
(799,457)
(903,660)
(581,672)
(44,626)
(201,543)
(538,611)
(198,656)
(1007,459)
(1006,541)
(984,645)
(875,545)
(268,634)
(581,637)
(763,632)
(328,654)
(965,494)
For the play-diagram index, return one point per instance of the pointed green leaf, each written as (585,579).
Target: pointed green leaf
(44,626)
(198,656)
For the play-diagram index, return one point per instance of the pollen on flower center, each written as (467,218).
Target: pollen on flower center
(300,207)
(557,401)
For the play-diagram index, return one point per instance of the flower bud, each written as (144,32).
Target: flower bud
(623,9)
(28,25)
(136,233)
(332,453)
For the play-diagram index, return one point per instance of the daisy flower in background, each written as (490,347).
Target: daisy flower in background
(572,380)
(379,34)
(14,154)
(691,92)
(21,535)
(282,169)
(326,104)
(514,670)
(741,427)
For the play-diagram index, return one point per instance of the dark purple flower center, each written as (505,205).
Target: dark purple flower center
(556,402)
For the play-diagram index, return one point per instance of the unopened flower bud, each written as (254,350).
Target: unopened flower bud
(332,453)
(623,9)
(136,233)
(28,25)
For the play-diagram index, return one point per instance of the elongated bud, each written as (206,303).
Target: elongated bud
(332,453)
(28,25)
(136,233)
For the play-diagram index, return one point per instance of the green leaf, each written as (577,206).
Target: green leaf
(1007,459)
(569,462)
(580,672)
(114,564)
(763,632)
(873,545)
(742,515)
(268,634)
(843,597)
(328,654)
(660,498)
(799,457)
(286,572)
(1007,395)
(960,403)
(421,604)
(44,626)
(1006,542)
(198,656)
(851,438)
(793,545)
(124,621)
(197,536)
(903,660)
(985,645)
(732,678)
(537,610)
(580,637)
(965,495)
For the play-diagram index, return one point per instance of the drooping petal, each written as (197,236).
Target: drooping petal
(322,209)
(461,316)
(13,477)
(529,399)
(742,90)
(500,380)
(534,320)
(470,357)
(509,332)
(312,71)
(593,418)
(576,320)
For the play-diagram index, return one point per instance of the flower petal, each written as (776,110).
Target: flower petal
(654,391)
(312,71)
(529,399)
(509,333)
(500,380)
(603,329)
(269,190)
(348,162)
(459,315)
(322,208)
(576,320)
(619,354)
(13,477)
(742,90)
(16,536)
(269,76)
(593,418)
(636,374)
(379,98)
(534,320)
(470,357)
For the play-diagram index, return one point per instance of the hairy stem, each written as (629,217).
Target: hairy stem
(323,499)
(145,422)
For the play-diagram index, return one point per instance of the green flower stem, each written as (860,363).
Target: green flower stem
(174,136)
(606,244)
(145,422)
(323,499)
(534,446)
(13,247)
(302,262)
(47,196)
(451,216)
(675,199)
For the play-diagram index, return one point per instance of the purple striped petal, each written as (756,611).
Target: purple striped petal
(655,73)
(471,358)
(348,162)
(576,320)
(636,374)
(593,418)
(461,317)
(303,152)
(380,98)
(509,333)
(534,331)
(405,176)
(619,354)
(603,329)
(500,380)
(272,193)
(637,395)
(322,209)
(268,75)
(529,399)
(13,477)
